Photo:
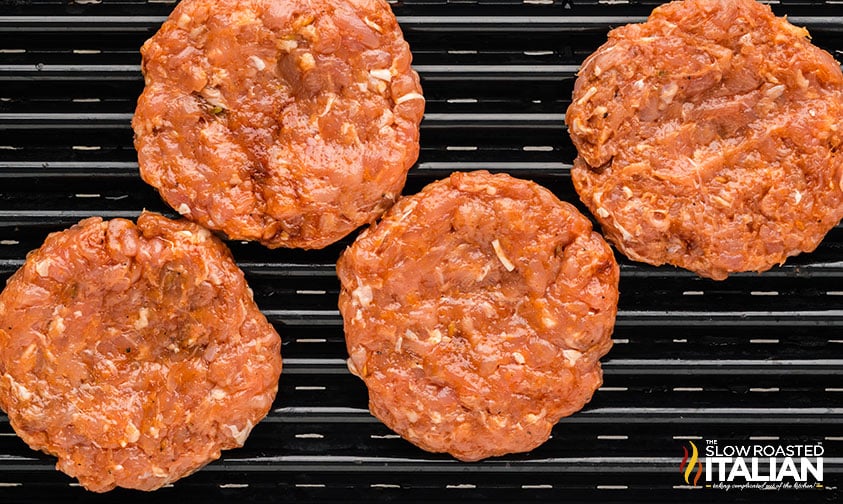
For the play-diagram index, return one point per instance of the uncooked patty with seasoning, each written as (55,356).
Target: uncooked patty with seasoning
(709,138)
(134,354)
(290,122)
(476,312)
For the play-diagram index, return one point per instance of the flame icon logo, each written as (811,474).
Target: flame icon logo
(687,466)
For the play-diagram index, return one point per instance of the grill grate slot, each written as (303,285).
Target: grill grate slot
(758,357)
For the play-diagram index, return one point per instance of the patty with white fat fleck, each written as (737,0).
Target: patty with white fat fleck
(134,353)
(709,138)
(289,122)
(476,313)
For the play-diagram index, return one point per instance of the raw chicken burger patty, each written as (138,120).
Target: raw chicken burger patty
(290,122)
(134,353)
(476,312)
(709,138)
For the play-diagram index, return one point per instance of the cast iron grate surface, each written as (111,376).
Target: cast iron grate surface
(755,358)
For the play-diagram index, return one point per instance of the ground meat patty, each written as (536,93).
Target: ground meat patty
(134,353)
(476,312)
(709,138)
(291,122)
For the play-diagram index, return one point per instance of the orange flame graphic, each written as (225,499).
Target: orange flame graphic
(694,461)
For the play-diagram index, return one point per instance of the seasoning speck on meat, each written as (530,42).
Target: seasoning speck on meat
(476,313)
(134,353)
(709,138)
(289,122)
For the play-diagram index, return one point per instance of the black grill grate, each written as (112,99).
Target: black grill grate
(757,357)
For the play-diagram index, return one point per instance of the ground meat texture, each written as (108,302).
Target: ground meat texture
(290,122)
(476,312)
(134,353)
(709,138)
